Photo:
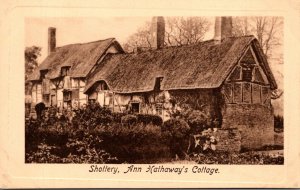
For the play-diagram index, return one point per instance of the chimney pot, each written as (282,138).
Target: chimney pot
(51,39)
(158,32)
(223,28)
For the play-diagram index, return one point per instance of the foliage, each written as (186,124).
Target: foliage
(197,120)
(129,119)
(177,128)
(149,119)
(278,122)
(268,31)
(31,55)
(251,157)
(185,30)
(133,143)
(179,31)
(177,132)
(92,135)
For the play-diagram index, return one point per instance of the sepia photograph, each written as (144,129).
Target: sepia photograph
(154,90)
(150,94)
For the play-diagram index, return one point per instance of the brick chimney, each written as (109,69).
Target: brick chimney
(51,39)
(157,32)
(223,28)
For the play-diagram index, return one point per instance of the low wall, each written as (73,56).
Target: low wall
(229,140)
(254,121)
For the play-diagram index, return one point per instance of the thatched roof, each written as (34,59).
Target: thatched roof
(202,65)
(80,57)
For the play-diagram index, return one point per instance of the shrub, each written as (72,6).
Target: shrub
(177,128)
(278,122)
(177,131)
(149,119)
(133,144)
(128,119)
(117,116)
(197,120)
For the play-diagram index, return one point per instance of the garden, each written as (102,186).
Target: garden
(94,134)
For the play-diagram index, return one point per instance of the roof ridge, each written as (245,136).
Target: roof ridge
(107,39)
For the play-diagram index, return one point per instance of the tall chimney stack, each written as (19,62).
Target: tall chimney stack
(223,28)
(158,32)
(51,39)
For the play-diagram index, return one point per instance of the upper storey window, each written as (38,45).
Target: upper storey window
(65,71)
(43,74)
(248,70)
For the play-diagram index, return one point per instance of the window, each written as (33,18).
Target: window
(65,71)
(67,96)
(158,81)
(43,74)
(135,107)
(159,109)
(247,74)
(102,86)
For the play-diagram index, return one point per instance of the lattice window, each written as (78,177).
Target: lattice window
(67,96)
(65,71)
(247,74)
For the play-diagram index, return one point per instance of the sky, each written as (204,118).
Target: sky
(81,30)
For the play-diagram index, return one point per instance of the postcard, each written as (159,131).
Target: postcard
(139,94)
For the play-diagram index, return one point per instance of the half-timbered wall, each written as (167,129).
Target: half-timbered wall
(248,102)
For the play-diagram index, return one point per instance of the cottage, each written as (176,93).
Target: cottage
(60,79)
(227,77)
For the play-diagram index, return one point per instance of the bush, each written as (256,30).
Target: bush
(134,144)
(278,122)
(177,128)
(149,119)
(177,131)
(117,116)
(129,120)
(197,120)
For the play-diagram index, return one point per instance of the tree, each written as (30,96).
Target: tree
(31,55)
(267,30)
(179,31)
(184,31)
(269,33)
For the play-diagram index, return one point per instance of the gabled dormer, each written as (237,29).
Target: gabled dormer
(248,82)
(249,69)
